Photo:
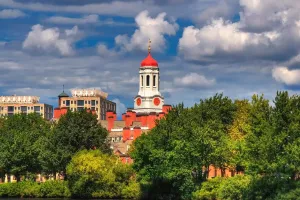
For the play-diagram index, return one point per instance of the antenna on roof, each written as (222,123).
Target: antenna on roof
(149,46)
(63,88)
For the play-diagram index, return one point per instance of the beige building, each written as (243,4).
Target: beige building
(92,99)
(10,105)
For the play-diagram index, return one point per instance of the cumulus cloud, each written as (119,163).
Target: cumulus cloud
(88,19)
(225,9)
(220,37)
(148,27)
(51,40)
(286,76)
(194,80)
(105,52)
(265,15)
(11,14)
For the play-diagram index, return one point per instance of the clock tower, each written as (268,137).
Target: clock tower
(149,99)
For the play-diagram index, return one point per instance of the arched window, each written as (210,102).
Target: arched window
(154,80)
(147,80)
(142,80)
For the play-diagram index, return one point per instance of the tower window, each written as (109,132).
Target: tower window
(142,79)
(154,80)
(148,80)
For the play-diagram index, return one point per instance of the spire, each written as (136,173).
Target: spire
(63,94)
(149,46)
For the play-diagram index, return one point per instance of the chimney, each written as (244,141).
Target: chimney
(151,120)
(137,132)
(144,119)
(110,117)
(126,134)
(166,108)
(161,115)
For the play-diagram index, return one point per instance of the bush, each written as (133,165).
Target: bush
(33,189)
(55,189)
(93,174)
(224,188)
(209,189)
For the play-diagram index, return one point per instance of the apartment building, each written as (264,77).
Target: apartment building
(10,105)
(90,99)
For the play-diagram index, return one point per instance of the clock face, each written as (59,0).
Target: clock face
(156,101)
(138,101)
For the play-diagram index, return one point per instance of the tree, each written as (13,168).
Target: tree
(19,138)
(74,131)
(95,174)
(239,129)
(170,158)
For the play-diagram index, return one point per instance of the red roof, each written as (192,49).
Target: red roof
(149,61)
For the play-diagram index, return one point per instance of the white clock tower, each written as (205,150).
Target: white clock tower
(149,99)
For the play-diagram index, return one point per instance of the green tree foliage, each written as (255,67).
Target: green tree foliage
(239,129)
(170,159)
(233,188)
(74,131)
(19,136)
(93,174)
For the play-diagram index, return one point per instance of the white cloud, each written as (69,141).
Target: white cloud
(153,28)
(286,76)
(119,8)
(88,19)
(226,38)
(11,14)
(51,39)
(121,108)
(223,9)
(105,52)
(194,80)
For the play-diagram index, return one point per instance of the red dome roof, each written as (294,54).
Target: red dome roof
(149,61)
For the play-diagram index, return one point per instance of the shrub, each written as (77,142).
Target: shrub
(209,189)
(223,188)
(93,174)
(33,189)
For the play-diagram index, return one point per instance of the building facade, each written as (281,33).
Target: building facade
(148,107)
(89,99)
(10,105)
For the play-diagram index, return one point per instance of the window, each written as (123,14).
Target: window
(64,102)
(23,108)
(96,102)
(142,80)
(148,80)
(37,109)
(85,102)
(154,80)
(68,103)
(93,102)
(89,102)
(10,109)
(71,102)
(80,103)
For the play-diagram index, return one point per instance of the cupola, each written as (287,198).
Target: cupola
(149,61)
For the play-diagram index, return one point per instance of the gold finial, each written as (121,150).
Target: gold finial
(149,46)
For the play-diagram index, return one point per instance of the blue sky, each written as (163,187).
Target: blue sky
(237,47)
